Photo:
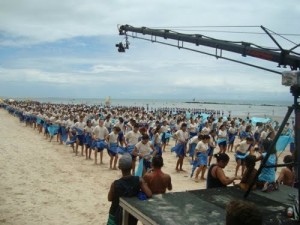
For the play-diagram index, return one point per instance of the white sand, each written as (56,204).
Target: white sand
(44,183)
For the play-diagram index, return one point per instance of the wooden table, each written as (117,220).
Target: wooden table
(206,206)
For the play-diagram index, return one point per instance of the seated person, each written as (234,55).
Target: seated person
(266,179)
(242,213)
(158,181)
(287,175)
(249,174)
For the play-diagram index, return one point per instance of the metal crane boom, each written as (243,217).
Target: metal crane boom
(281,56)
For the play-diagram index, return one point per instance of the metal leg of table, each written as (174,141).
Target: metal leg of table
(125,217)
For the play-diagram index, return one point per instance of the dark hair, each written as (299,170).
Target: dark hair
(118,129)
(242,213)
(249,139)
(145,137)
(266,144)
(157,161)
(289,159)
(250,161)
(183,125)
(221,157)
(205,137)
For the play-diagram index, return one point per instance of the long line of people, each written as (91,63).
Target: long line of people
(146,134)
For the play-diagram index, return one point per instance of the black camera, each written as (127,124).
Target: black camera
(120,47)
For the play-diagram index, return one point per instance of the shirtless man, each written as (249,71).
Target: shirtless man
(158,181)
(287,175)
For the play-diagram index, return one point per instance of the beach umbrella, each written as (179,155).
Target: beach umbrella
(11,100)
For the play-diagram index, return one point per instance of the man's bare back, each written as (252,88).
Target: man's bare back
(158,182)
(287,177)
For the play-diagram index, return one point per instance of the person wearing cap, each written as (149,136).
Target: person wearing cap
(126,186)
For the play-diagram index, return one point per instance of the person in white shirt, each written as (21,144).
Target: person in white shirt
(108,123)
(181,137)
(95,121)
(201,157)
(80,135)
(88,131)
(144,150)
(113,143)
(192,143)
(232,132)
(241,150)
(99,134)
(205,130)
(222,138)
(131,139)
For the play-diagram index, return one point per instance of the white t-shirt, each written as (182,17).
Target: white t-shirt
(95,122)
(132,137)
(113,138)
(182,136)
(205,131)
(194,140)
(193,127)
(88,130)
(201,147)
(243,148)
(100,132)
(80,125)
(144,149)
(107,124)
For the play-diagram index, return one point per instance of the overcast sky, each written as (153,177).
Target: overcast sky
(67,48)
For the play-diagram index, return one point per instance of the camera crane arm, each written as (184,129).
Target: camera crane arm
(281,56)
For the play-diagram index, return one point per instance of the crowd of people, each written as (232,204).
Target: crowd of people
(139,135)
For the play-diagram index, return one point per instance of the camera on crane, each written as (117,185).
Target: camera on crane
(121,47)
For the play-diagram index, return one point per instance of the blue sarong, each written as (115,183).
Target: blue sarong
(53,129)
(239,155)
(282,142)
(121,150)
(99,145)
(139,170)
(179,149)
(64,134)
(192,149)
(88,140)
(130,148)
(113,149)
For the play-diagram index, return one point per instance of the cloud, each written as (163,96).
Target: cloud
(50,47)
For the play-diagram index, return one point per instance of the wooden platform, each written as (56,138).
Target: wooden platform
(206,206)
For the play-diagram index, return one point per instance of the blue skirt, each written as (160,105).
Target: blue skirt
(64,134)
(231,138)
(158,149)
(53,129)
(113,149)
(179,149)
(192,149)
(130,148)
(88,140)
(99,145)
(239,155)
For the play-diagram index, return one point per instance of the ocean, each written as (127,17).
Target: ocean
(270,109)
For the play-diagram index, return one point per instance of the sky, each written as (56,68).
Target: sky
(67,49)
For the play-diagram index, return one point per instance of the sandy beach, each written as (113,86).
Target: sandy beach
(43,182)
